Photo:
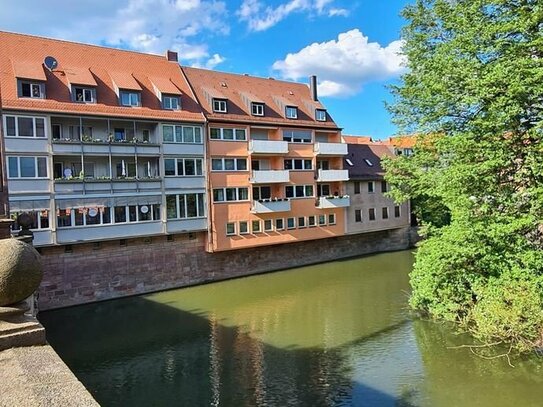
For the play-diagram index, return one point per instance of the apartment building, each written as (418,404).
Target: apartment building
(99,143)
(275,161)
(370,209)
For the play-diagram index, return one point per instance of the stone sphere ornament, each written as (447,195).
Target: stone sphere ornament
(20,271)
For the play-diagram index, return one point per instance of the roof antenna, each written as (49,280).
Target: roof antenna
(50,63)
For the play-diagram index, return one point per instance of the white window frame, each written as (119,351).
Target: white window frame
(282,220)
(220,105)
(371,189)
(257,109)
(176,161)
(331,219)
(291,112)
(91,92)
(180,131)
(131,94)
(33,85)
(303,224)
(10,176)
(293,223)
(13,215)
(233,224)
(253,230)
(322,220)
(223,166)
(167,102)
(320,115)
(234,134)
(34,126)
(289,135)
(270,229)
(199,196)
(247,232)
(311,221)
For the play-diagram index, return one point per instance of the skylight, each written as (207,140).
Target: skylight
(349,162)
(370,164)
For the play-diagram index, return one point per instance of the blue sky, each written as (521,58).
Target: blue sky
(352,46)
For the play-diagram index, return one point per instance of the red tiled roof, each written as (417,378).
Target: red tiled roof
(402,141)
(80,76)
(212,84)
(164,85)
(124,80)
(28,70)
(349,139)
(73,59)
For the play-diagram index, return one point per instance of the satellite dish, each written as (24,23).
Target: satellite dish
(50,63)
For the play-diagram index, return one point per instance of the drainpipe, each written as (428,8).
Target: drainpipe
(4,196)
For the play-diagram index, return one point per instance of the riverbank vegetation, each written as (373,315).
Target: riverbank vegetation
(473,94)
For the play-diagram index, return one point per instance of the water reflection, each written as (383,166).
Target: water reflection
(329,335)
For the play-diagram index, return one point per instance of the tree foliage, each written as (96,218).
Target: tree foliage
(473,94)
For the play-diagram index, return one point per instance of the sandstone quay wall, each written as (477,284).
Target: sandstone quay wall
(92,272)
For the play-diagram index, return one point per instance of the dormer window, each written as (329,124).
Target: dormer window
(219,105)
(34,90)
(129,98)
(83,95)
(257,109)
(291,112)
(320,115)
(171,102)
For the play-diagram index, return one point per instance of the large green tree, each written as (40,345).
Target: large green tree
(473,93)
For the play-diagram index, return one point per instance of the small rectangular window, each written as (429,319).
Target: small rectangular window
(320,115)
(243,228)
(371,187)
(57,131)
(10,126)
(384,186)
(268,225)
(384,213)
(279,224)
(358,215)
(331,219)
(257,109)
(397,211)
(311,221)
(301,222)
(129,98)
(170,102)
(240,134)
(255,224)
(219,105)
(356,187)
(83,95)
(291,112)
(371,213)
(322,220)
(291,223)
(33,90)
(230,229)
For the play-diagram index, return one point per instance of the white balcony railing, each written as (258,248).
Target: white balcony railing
(332,175)
(271,206)
(268,147)
(331,149)
(331,202)
(270,177)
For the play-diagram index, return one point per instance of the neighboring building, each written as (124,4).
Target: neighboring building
(100,143)
(370,209)
(275,161)
(402,145)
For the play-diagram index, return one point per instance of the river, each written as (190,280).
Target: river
(334,334)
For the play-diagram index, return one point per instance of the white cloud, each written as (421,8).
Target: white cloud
(144,25)
(260,17)
(344,65)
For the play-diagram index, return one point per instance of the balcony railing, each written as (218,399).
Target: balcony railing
(268,147)
(331,149)
(77,185)
(332,175)
(271,206)
(270,177)
(331,202)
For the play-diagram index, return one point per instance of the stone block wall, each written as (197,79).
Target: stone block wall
(90,272)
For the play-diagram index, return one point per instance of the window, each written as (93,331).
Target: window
(320,115)
(291,112)
(268,225)
(230,229)
(358,215)
(384,186)
(291,223)
(368,162)
(371,187)
(332,219)
(230,194)
(185,206)
(301,222)
(257,109)
(229,164)
(219,105)
(171,102)
(183,167)
(261,192)
(146,135)
(181,134)
(27,167)
(279,224)
(384,213)
(297,136)
(322,220)
(227,134)
(323,164)
(357,187)
(33,90)
(298,164)
(83,95)
(298,191)
(397,211)
(22,126)
(94,216)
(255,224)
(57,131)
(125,169)
(311,221)
(40,220)
(119,134)
(371,213)
(243,228)
(323,190)
(129,98)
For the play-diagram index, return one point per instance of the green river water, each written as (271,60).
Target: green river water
(334,334)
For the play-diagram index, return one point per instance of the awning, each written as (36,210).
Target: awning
(80,76)
(37,205)
(165,86)
(28,70)
(124,80)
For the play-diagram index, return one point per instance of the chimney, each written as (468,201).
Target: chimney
(172,56)
(313,87)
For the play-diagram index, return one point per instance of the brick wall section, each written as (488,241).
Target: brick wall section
(90,273)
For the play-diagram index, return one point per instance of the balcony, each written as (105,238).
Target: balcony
(270,177)
(332,175)
(104,147)
(332,202)
(271,206)
(95,185)
(330,149)
(268,147)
